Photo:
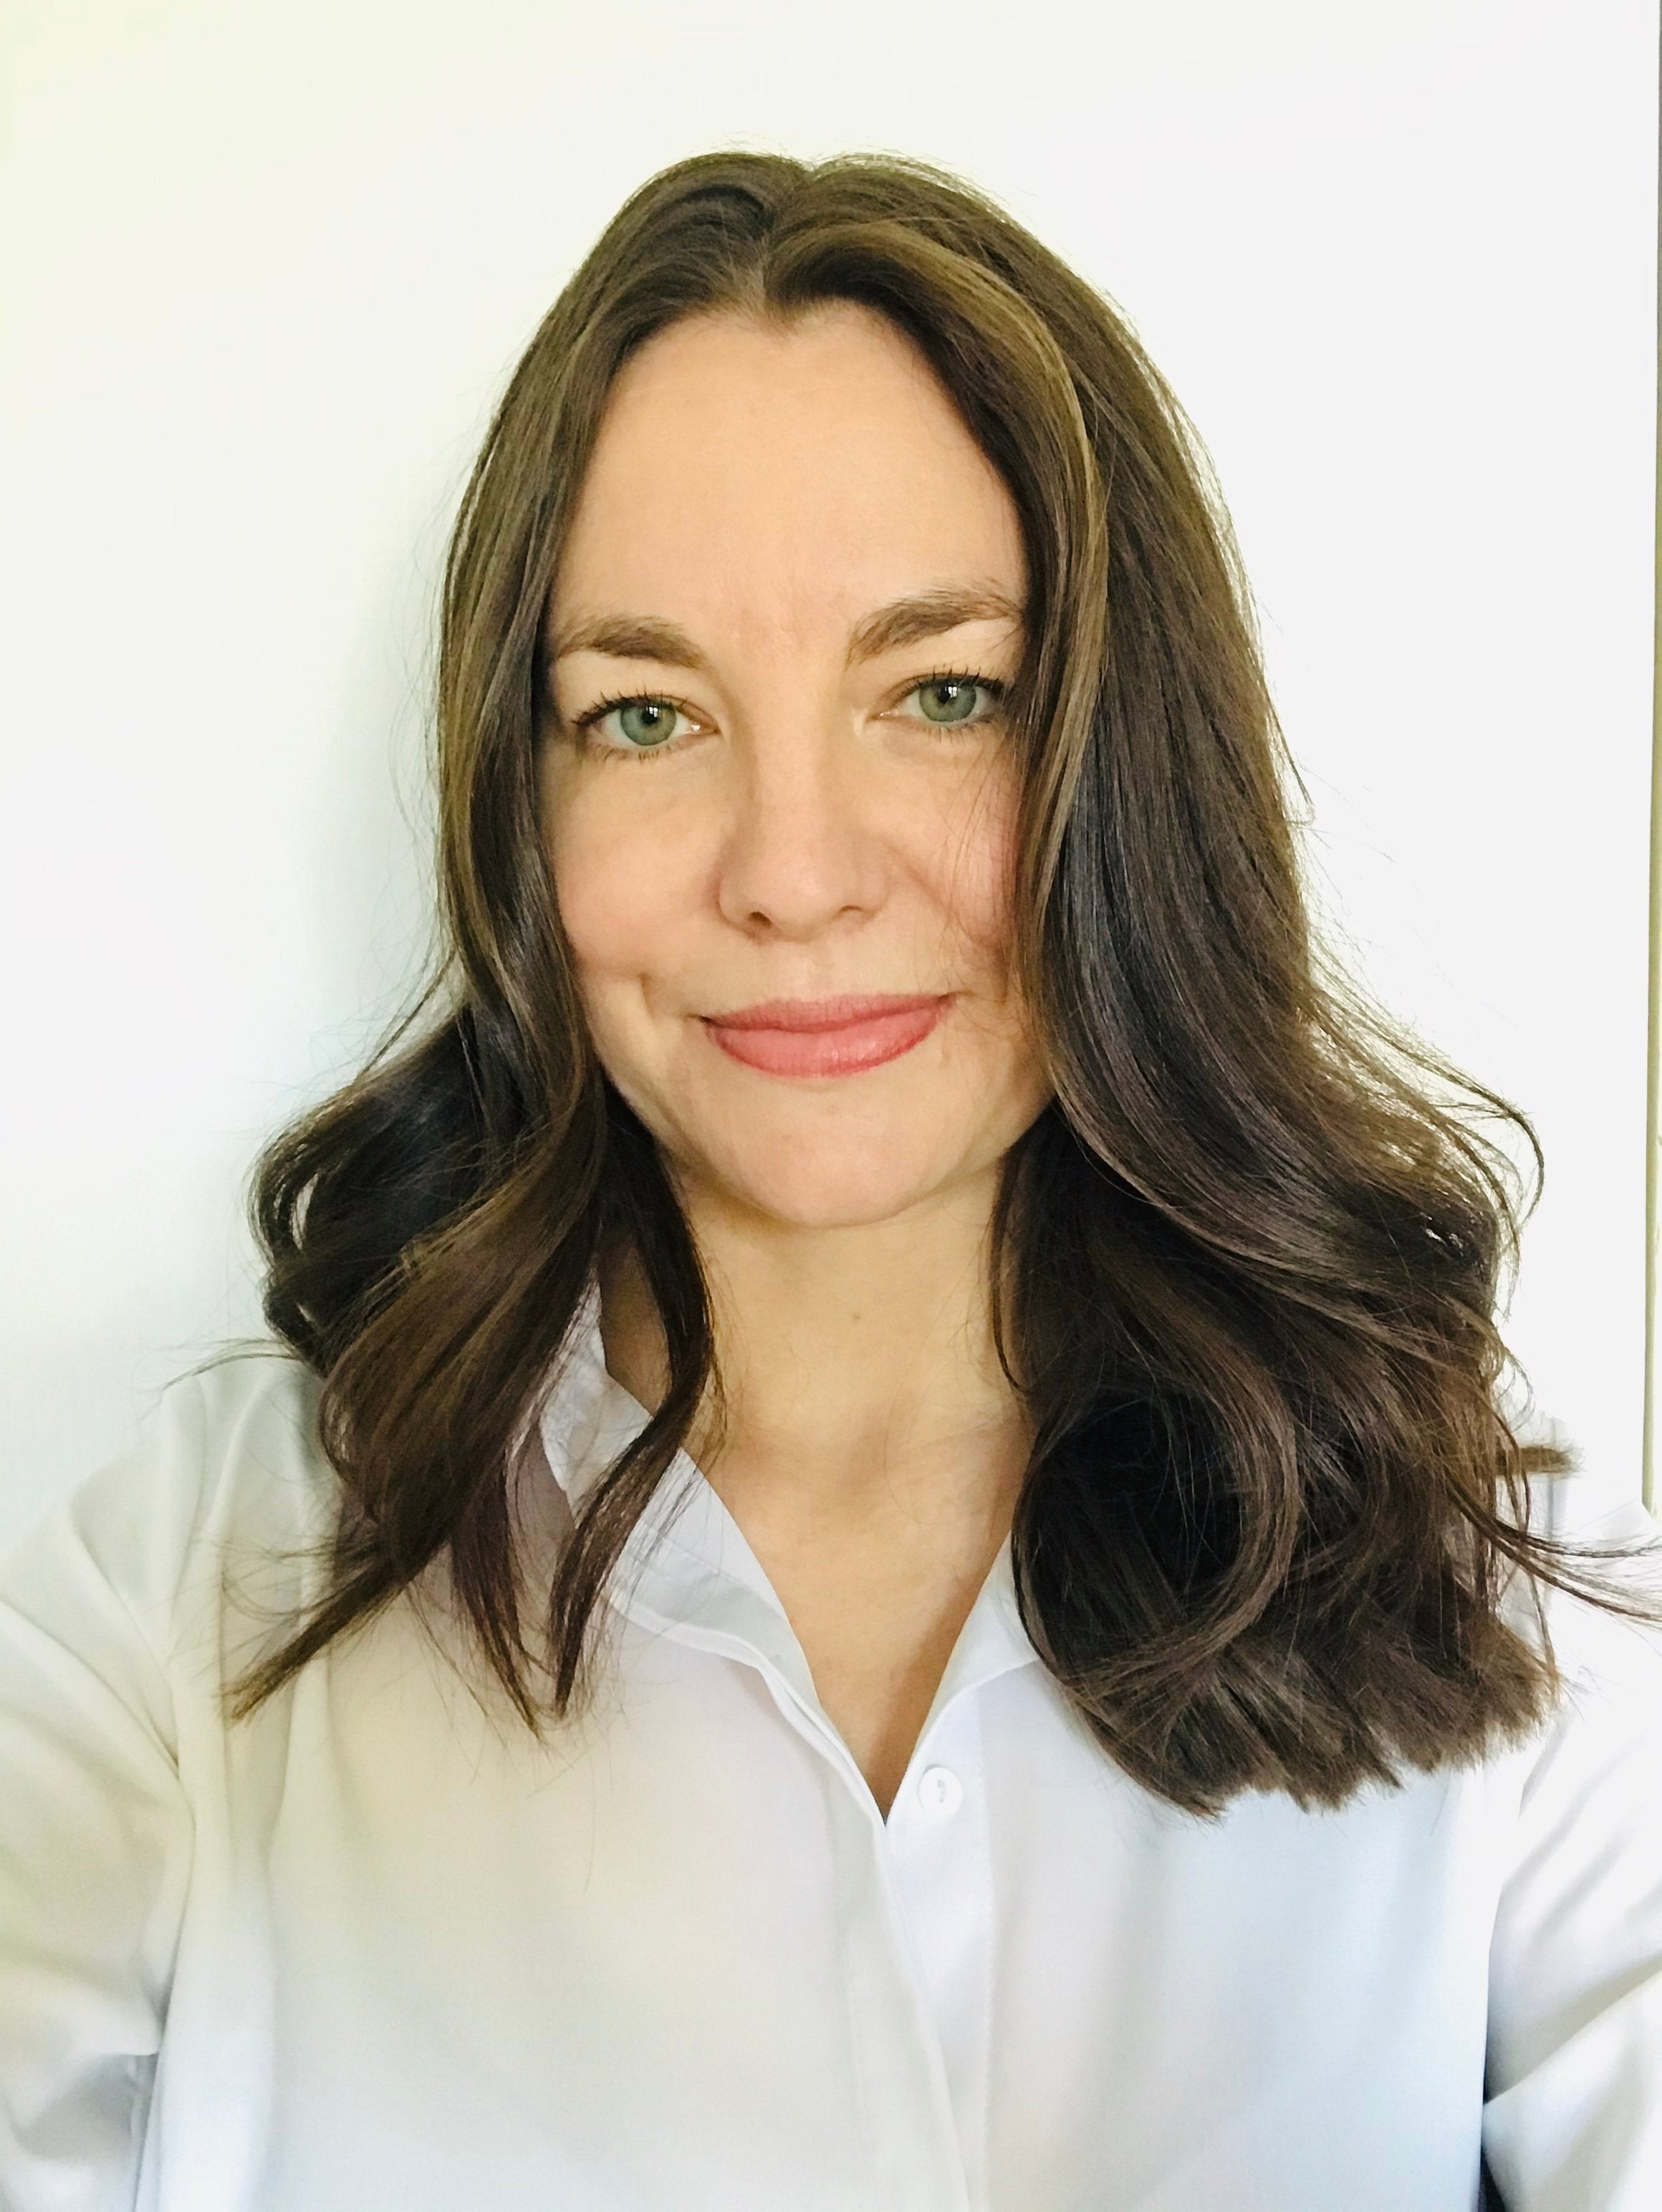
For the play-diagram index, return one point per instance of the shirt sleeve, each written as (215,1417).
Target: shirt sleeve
(95,1830)
(1572,2120)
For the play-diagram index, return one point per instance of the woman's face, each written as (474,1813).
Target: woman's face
(796,806)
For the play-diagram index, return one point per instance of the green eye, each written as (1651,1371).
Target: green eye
(652,720)
(953,695)
(948,698)
(645,721)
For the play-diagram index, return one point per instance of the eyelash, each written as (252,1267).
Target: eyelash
(584,723)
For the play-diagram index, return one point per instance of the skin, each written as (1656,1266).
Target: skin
(809,826)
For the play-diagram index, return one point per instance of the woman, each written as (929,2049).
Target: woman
(890,1277)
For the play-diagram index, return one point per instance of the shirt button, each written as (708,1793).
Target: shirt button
(940,1790)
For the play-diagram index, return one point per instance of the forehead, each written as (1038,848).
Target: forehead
(777,478)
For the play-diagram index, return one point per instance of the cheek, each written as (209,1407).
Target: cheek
(970,863)
(615,882)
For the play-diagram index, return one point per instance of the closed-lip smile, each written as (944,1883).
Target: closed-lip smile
(843,1036)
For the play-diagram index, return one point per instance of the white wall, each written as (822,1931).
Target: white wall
(264,268)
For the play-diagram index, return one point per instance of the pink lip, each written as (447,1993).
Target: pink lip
(825,1037)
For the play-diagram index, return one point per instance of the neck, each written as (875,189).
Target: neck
(860,1377)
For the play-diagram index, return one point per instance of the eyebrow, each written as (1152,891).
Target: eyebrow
(886,629)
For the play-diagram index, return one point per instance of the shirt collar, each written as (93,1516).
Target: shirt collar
(687,1570)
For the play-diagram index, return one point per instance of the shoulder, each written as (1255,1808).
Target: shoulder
(1603,1736)
(1575,1960)
(227,1468)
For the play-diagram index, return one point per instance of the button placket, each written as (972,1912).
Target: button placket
(940,1854)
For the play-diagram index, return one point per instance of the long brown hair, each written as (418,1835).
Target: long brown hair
(1246,1264)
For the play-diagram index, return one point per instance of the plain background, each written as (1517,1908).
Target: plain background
(265,270)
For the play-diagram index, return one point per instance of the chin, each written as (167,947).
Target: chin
(832,1187)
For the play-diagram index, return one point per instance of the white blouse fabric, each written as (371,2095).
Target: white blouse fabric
(375,1951)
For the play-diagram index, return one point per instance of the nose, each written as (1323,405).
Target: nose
(801,847)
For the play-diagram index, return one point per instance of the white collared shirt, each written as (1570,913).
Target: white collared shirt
(375,1951)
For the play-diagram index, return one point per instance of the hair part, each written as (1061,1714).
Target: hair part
(1246,1263)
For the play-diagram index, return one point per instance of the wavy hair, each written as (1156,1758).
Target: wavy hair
(1246,1263)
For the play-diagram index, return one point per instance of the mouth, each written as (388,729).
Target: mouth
(825,1037)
